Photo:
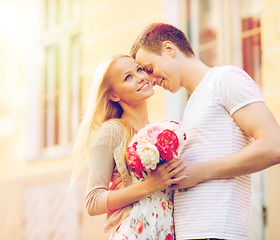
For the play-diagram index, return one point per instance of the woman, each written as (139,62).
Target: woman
(141,208)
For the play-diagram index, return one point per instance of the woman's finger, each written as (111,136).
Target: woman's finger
(177,170)
(178,179)
(115,183)
(173,164)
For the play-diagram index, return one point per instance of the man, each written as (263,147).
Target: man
(225,112)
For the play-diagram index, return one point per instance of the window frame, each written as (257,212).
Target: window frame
(67,35)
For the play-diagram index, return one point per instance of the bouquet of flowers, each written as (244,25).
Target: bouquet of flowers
(153,144)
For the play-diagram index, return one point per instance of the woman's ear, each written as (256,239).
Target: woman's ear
(169,48)
(114,97)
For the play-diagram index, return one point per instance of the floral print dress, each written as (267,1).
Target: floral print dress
(151,218)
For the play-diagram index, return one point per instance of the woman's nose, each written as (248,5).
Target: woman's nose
(140,78)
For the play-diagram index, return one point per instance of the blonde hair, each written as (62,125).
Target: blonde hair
(100,109)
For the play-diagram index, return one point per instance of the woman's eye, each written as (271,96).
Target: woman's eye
(128,77)
(139,70)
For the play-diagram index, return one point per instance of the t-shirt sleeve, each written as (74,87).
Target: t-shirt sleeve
(101,167)
(236,89)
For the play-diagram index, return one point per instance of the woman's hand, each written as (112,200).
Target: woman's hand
(163,175)
(160,178)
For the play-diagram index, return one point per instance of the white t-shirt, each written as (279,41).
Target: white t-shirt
(216,208)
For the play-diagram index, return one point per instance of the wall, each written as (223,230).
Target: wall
(271,89)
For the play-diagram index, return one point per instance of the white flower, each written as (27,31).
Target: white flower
(148,154)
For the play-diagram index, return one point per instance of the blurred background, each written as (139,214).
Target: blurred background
(48,53)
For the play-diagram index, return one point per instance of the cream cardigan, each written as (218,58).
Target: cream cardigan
(107,162)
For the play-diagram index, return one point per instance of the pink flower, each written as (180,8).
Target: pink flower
(154,143)
(117,230)
(138,227)
(134,160)
(169,237)
(163,205)
(167,144)
(153,133)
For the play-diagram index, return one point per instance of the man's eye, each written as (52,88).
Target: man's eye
(149,70)
(139,69)
(128,77)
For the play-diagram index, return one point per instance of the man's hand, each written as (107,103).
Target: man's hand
(116,183)
(163,175)
(194,172)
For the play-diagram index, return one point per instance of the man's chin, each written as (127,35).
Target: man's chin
(173,90)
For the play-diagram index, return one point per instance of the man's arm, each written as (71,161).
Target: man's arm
(257,121)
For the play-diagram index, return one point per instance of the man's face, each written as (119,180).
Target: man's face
(161,68)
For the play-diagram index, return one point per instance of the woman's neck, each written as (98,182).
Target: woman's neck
(136,116)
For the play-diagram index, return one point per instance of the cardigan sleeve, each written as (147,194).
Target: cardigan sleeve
(101,167)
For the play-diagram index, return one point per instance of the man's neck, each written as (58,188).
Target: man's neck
(193,71)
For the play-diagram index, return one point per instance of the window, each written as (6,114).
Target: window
(61,75)
(212,28)
(202,29)
(245,40)
(59,88)
(251,40)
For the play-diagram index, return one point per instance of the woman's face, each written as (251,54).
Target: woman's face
(130,83)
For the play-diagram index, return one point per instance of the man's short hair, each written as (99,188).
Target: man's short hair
(155,34)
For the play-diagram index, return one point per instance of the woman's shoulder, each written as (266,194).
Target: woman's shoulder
(110,129)
(112,126)
(108,134)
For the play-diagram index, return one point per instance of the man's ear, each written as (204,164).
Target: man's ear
(169,48)
(114,97)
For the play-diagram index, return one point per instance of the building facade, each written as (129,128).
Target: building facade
(49,51)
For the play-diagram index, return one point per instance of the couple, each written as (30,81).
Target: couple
(230,134)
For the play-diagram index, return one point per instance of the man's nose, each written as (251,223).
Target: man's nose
(155,81)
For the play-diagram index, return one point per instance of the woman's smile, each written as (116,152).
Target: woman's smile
(144,86)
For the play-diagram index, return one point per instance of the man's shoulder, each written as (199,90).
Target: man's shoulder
(228,73)
(228,69)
